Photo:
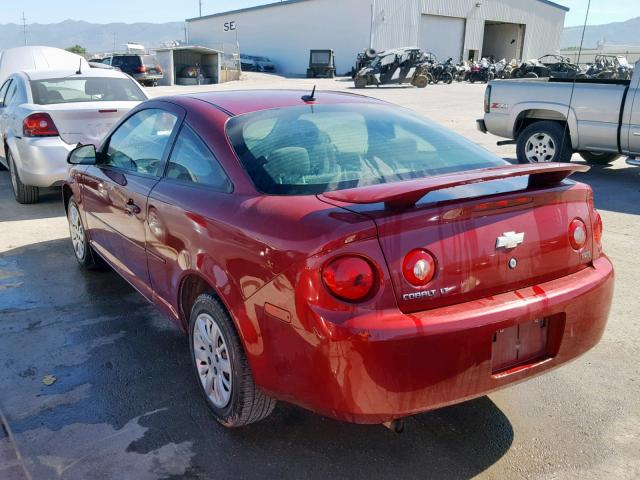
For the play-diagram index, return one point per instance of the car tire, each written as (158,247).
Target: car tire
(82,250)
(544,141)
(599,158)
(24,194)
(229,390)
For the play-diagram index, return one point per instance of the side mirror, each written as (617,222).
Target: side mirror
(82,155)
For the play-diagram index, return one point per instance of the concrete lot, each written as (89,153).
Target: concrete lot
(125,405)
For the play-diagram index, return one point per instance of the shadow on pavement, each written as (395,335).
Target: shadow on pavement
(125,403)
(50,204)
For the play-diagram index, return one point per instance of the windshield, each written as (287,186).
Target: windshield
(313,149)
(79,89)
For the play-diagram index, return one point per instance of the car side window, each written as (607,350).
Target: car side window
(138,145)
(191,161)
(11,94)
(3,91)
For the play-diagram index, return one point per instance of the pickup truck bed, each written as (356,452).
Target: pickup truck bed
(598,118)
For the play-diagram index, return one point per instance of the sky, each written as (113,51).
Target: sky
(129,11)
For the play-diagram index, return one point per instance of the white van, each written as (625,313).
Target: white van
(38,58)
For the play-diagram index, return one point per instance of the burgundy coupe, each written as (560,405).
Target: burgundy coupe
(340,253)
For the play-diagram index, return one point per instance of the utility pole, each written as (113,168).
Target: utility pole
(114,42)
(200,4)
(24,28)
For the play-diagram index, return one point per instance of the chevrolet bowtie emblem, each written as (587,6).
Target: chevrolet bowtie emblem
(509,240)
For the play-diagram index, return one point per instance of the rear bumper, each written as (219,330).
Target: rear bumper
(42,162)
(388,365)
(148,77)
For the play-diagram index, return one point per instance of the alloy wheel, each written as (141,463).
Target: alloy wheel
(540,148)
(77,232)
(212,360)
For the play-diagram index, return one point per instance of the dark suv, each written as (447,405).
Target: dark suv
(144,68)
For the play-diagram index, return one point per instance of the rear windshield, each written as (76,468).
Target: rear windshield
(149,60)
(313,149)
(79,89)
(321,58)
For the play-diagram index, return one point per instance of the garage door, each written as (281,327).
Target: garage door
(443,36)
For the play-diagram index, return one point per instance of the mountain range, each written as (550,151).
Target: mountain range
(92,36)
(625,33)
(97,37)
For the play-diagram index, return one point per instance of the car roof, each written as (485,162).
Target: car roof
(86,72)
(238,102)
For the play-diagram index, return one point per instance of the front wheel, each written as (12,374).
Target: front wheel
(543,142)
(599,158)
(24,194)
(447,78)
(222,368)
(82,250)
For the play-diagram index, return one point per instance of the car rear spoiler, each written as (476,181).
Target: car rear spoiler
(405,194)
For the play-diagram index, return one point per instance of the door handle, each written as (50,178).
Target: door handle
(637,134)
(131,208)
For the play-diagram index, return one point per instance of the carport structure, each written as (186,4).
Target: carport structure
(174,60)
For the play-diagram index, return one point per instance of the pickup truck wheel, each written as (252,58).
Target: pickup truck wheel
(221,366)
(599,158)
(24,194)
(543,142)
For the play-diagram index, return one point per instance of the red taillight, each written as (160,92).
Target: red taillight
(597,229)
(39,125)
(419,267)
(159,68)
(349,278)
(577,234)
(141,69)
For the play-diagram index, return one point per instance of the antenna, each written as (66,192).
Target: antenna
(310,98)
(24,27)
(79,72)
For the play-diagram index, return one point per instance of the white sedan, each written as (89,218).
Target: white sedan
(44,114)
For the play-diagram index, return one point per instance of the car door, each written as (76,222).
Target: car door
(130,163)
(179,226)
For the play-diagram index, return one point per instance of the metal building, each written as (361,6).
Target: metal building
(461,29)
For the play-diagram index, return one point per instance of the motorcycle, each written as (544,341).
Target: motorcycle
(482,72)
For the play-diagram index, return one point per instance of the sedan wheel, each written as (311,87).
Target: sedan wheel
(212,360)
(23,193)
(222,368)
(540,148)
(82,250)
(77,232)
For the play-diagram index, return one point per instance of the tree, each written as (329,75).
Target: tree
(78,49)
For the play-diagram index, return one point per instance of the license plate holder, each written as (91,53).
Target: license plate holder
(519,345)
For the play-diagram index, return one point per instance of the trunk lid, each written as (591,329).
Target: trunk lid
(87,122)
(469,228)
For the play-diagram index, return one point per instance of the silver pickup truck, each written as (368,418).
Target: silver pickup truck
(550,120)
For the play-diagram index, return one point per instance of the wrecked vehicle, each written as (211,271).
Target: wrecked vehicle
(395,67)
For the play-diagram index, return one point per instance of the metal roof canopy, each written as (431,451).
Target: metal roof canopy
(193,48)
(289,2)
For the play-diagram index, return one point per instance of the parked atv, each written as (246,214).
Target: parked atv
(363,60)
(610,67)
(395,67)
